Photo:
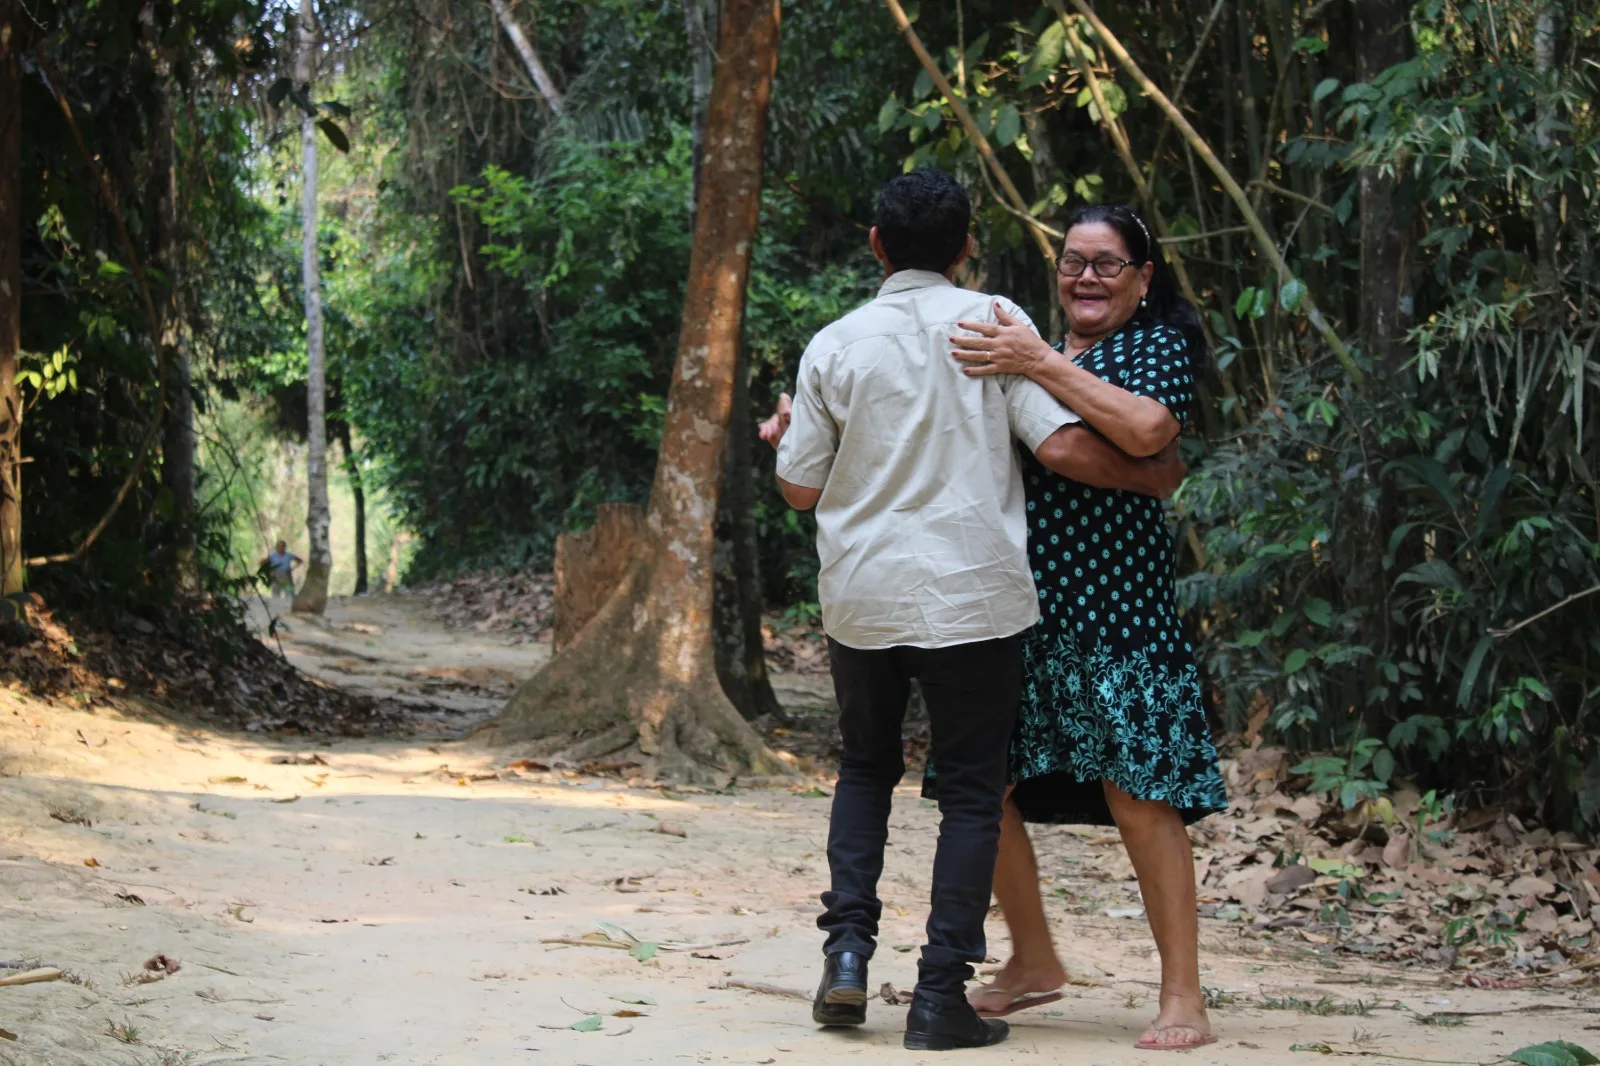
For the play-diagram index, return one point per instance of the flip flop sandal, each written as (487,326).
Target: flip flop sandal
(1202,1038)
(1016,1003)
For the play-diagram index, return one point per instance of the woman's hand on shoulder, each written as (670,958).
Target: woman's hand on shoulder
(1004,346)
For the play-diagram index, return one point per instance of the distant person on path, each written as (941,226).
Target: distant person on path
(281,562)
(1112,727)
(924,575)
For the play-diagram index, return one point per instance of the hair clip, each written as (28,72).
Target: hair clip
(1150,245)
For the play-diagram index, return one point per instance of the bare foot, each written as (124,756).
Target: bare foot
(1016,979)
(1181,1024)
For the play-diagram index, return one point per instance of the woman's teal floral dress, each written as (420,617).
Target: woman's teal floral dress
(1111,691)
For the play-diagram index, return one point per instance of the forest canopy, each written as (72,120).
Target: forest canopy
(1386,211)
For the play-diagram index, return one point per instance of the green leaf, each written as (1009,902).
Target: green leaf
(1051,48)
(1292,295)
(644,951)
(1246,300)
(334,134)
(1325,89)
(1554,1053)
(589,1024)
(638,1001)
(1007,125)
(922,86)
(888,114)
(933,118)
(1319,611)
(1469,676)
(1252,638)
(1345,871)
(334,107)
(1297,659)
(1494,486)
(1383,766)
(279,90)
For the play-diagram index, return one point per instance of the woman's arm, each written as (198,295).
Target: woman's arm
(1139,425)
(1078,452)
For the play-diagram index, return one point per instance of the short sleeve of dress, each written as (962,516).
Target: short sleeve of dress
(1162,371)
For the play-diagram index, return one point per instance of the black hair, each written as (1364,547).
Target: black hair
(922,219)
(1163,305)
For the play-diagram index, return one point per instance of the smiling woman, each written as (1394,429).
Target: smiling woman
(1112,727)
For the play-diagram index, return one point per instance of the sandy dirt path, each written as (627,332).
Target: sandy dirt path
(389,903)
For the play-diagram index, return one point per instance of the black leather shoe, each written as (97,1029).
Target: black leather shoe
(842,996)
(934,1026)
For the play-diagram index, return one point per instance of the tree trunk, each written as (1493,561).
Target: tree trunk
(177,440)
(736,614)
(313,595)
(701,22)
(590,565)
(11,29)
(642,673)
(1382,41)
(530,59)
(353,471)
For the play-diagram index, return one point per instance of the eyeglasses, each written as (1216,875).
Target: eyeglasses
(1106,266)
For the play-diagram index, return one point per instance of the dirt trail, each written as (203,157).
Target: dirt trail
(386,902)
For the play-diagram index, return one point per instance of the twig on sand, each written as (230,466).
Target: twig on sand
(765,990)
(595,942)
(30,977)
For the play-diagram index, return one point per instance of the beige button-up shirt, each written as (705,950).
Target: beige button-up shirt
(921,526)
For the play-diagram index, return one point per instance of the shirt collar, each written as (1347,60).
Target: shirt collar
(906,280)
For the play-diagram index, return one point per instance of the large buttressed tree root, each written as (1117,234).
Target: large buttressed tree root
(641,675)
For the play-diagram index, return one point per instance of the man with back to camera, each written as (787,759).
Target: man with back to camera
(924,575)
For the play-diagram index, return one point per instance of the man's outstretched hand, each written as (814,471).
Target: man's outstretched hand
(773,429)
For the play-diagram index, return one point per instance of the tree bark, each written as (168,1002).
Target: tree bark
(11,29)
(1382,41)
(530,59)
(358,490)
(590,565)
(177,430)
(642,673)
(313,595)
(736,614)
(701,22)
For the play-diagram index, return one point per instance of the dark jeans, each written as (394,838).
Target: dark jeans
(972,692)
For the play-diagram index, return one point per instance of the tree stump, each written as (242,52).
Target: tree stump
(591,564)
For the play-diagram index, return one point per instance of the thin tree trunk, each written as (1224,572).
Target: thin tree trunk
(313,595)
(741,651)
(352,471)
(11,28)
(530,59)
(701,22)
(642,673)
(736,614)
(1546,33)
(177,439)
(1382,41)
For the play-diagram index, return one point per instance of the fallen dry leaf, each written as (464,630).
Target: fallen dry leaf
(91,862)
(672,829)
(164,963)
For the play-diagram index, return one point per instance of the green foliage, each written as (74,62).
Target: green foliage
(1374,549)
(1554,1053)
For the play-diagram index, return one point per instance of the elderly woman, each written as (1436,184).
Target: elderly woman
(1112,727)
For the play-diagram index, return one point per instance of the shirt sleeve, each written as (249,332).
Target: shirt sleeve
(1033,411)
(806,453)
(1162,371)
